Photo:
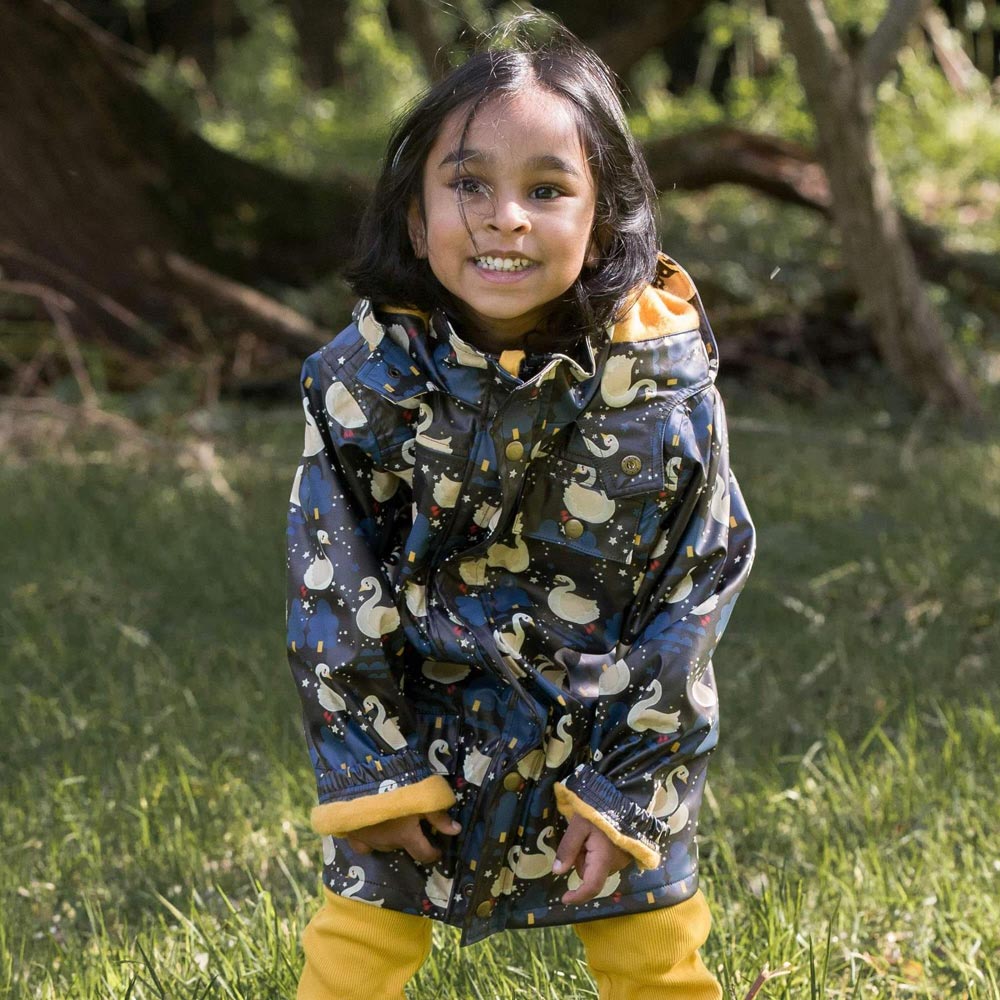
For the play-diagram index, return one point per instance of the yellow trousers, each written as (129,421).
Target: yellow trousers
(355,951)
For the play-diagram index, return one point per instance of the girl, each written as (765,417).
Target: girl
(514,543)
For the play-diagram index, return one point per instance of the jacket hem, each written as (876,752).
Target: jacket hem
(338,818)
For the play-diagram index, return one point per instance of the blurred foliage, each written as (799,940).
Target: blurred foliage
(257,106)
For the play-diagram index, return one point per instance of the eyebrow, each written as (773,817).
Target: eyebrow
(546,161)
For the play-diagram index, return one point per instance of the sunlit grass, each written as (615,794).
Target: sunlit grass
(154,827)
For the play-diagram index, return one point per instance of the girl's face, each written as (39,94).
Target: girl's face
(524,190)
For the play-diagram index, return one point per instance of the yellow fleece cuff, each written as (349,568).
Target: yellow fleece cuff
(570,804)
(337,818)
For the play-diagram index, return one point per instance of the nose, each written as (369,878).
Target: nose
(509,216)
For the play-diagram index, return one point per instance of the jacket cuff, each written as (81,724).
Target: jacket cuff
(627,825)
(338,818)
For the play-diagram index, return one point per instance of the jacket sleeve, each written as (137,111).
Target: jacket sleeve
(344,638)
(644,782)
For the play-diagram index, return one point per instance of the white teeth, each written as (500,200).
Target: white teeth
(502,263)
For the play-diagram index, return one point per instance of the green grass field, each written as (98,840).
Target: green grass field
(156,790)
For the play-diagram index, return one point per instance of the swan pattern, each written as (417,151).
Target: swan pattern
(514,584)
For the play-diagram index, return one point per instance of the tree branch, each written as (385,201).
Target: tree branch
(720,154)
(258,310)
(879,53)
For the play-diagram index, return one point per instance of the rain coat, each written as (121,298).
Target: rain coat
(507,577)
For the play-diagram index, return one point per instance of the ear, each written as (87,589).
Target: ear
(416,229)
(593,257)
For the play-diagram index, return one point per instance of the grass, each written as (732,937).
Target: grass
(154,838)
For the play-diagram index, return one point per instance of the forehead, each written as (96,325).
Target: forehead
(529,125)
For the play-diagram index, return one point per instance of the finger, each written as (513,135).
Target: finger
(594,876)
(569,846)
(421,849)
(443,823)
(358,846)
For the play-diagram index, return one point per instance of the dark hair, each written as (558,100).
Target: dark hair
(386,270)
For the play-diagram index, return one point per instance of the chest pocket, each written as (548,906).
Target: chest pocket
(574,508)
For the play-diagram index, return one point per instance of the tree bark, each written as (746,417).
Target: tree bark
(100,185)
(906,327)
(320,27)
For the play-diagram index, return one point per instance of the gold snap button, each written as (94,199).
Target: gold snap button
(485,908)
(512,781)
(514,451)
(631,465)
(573,528)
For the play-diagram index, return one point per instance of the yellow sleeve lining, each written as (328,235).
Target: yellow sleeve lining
(570,804)
(338,818)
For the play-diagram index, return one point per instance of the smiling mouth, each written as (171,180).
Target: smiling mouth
(503,263)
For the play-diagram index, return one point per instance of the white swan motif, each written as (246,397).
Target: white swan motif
(643,716)
(611,883)
(617,389)
(586,503)
(444,673)
(387,785)
(476,765)
(357,873)
(665,799)
(559,746)
(293,496)
(666,804)
(510,643)
(528,866)
(682,589)
(661,545)
(446,492)
(313,443)
(485,513)
(609,442)
(434,752)
(568,605)
(503,884)
(720,501)
(343,407)
(319,575)
(384,485)
(438,888)
(329,850)
(614,679)
(375,619)
(555,673)
(329,699)
(709,604)
(530,765)
(435,444)
(513,558)
(384,726)
(370,330)
(701,693)
(672,471)
(416,598)
(466,355)
(473,572)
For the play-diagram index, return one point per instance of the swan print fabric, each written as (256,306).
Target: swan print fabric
(506,581)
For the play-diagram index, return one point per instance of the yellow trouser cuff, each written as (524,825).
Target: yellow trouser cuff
(652,955)
(337,818)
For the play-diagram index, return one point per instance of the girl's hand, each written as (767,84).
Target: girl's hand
(404,833)
(589,850)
